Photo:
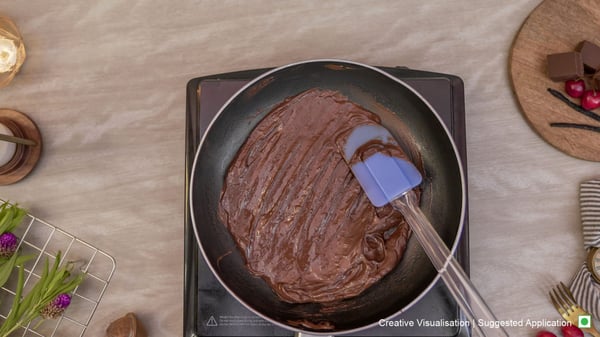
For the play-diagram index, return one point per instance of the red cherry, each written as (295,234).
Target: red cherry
(545,333)
(590,99)
(575,88)
(571,331)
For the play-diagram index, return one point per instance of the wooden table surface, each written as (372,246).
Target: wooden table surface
(105,81)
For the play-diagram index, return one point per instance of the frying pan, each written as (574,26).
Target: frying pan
(412,121)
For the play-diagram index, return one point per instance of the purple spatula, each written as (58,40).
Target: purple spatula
(388,178)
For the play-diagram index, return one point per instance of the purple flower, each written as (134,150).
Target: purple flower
(8,244)
(55,308)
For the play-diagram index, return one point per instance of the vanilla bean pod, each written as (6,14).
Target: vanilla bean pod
(576,126)
(572,105)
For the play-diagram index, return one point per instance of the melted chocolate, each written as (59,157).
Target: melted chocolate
(297,213)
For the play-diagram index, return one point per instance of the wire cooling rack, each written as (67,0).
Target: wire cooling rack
(43,240)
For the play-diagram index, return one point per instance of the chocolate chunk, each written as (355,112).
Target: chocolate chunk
(565,66)
(590,55)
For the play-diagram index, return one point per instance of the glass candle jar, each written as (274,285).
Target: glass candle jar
(12,50)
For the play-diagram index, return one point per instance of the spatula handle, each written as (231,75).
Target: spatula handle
(481,318)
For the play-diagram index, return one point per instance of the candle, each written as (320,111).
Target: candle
(8,54)
(12,50)
(7,149)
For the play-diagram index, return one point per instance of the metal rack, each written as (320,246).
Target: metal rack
(44,240)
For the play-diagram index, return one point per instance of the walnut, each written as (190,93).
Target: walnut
(126,326)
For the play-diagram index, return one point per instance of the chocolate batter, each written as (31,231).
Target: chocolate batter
(297,213)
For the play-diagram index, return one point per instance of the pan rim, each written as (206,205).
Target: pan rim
(389,76)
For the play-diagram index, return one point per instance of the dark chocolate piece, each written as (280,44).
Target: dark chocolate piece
(590,55)
(565,66)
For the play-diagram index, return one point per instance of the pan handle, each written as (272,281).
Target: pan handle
(480,317)
(301,334)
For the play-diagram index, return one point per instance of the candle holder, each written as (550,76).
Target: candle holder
(12,50)
(26,156)
(17,158)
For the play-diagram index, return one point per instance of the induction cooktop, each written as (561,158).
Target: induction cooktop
(209,310)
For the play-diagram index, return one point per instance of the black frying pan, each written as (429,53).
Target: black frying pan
(413,121)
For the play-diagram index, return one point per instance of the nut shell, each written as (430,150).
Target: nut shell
(126,326)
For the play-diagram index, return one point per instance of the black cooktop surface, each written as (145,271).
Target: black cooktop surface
(209,310)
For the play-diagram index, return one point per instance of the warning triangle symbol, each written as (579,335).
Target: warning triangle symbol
(212,321)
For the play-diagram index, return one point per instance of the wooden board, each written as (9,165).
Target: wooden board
(29,155)
(554,26)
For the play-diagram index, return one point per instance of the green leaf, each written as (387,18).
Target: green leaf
(11,322)
(10,217)
(5,217)
(54,281)
(7,267)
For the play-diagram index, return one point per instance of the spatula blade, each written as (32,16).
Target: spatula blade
(382,177)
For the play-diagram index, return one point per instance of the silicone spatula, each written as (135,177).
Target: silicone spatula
(392,179)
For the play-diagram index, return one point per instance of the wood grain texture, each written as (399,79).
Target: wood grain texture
(105,82)
(555,26)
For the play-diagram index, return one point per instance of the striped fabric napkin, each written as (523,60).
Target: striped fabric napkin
(584,288)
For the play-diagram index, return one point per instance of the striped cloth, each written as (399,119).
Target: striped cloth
(584,288)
